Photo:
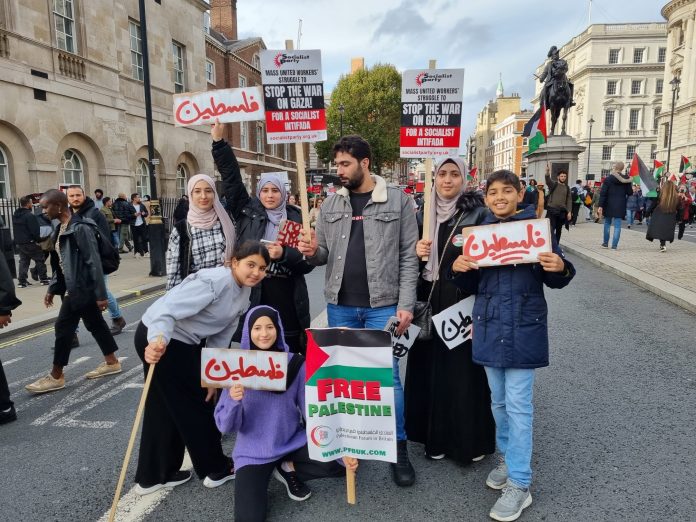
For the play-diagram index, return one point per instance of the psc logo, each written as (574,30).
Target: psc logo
(322,436)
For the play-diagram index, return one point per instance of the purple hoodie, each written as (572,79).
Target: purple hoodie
(267,423)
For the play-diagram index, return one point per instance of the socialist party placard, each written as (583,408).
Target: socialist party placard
(293,94)
(431,112)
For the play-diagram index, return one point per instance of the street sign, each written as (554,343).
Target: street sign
(155,161)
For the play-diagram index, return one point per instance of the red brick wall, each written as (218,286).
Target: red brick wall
(223,17)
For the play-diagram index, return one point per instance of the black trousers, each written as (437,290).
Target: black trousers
(68,319)
(176,416)
(557,220)
(574,213)
(139,238)
(5,402)
(251,482)
(29,252)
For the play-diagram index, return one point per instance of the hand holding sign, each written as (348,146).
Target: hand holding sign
(551,262)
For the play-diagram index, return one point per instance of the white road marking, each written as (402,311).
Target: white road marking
(27,380)
(134,508)
(12,361)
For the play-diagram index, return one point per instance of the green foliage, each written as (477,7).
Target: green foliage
(372,108)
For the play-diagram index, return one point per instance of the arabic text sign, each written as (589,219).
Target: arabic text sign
(403,343)
(349,394)
(454,324)
(253,369)
(289,233)
(508,243)
(293,93)
(201,108)
(431,112)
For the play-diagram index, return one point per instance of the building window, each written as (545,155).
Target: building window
(256,61)
(142,178)
(611,87)
(4,175)
(614,56)
(630,150)
(178,53)
(272,149)
(242,81)
(210,71)
(609,120)
(72,168)
(286,151)
(181,179)
(636,86)
(64,19)
(653,151)
(206,22)
(659,85)
(606,152)
(638,55)
(605,173)
(662,55)
(633,118)
(656,115)
(259,138)
(136,47)
(244,135)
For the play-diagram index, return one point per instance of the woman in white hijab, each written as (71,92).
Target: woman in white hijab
(447,397)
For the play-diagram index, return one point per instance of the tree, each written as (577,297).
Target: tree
(371,99)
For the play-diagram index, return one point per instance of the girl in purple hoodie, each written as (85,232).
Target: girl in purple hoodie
(271,438)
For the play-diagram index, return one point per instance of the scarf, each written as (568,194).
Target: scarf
(206,219)
(441,211)
(275,215)
(252,316)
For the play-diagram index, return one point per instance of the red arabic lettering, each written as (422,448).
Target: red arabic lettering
(185,112)
(502,247)
(273,373)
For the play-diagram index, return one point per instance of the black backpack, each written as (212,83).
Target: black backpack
(110,259)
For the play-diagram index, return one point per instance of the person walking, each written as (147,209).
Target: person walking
(259,218)
(99,198)
(633,205)
(663,217)
(8,302)
(683,210)
(204,309)
(613,196)
(139,226)
(366,234)
(448,404)
(576,196)
(26,231)
(78,277)
(125,214)
(111,220)
(559,202)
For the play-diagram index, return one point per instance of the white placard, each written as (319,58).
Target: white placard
(202,108)
(508,243)
(254,369)
(403,343)
(454,324)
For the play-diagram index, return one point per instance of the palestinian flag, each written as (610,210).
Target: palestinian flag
(471,175)
(659,170)
(683,179)
(684,164)
(640,175)
(349,394)
(535,129)
(672,177)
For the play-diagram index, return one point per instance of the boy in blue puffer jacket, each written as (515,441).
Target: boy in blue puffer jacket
(511,340)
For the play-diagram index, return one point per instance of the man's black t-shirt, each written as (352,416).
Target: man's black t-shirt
(354,289)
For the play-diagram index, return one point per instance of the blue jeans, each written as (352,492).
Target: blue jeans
(115,238)
(376,318)
(617,230)
(630,214)
(511,403)
(114,310)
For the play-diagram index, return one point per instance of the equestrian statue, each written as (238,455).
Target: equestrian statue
(557,93)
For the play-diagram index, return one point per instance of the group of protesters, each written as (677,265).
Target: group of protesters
(230,280)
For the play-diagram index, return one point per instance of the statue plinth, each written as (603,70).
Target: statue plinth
(561,152)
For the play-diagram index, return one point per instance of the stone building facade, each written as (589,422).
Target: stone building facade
(72,104)
(509,145)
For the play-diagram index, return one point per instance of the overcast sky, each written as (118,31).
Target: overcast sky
(485,37)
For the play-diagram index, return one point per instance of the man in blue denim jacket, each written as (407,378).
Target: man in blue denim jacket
(366,235)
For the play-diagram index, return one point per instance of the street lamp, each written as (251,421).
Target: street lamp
(589,146)
(341,108)
(675,89)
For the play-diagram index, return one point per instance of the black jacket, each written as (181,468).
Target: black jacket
(8,299)
(124,211)
(25,226)
(88,210)
(250,219)
(81,272)
(614,195)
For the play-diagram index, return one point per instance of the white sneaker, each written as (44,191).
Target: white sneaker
(511,503)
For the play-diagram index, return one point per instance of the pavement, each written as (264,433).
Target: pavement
(670,275)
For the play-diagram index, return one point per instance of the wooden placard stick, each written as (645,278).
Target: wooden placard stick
(350,486)
(432,64)
(131,441)
(301,174)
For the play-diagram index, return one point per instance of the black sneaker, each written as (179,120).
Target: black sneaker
(45,282)
(297,490)
(218,479)
(8,415)
(23,284)
(176,479)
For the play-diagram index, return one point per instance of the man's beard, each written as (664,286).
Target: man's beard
(355,182)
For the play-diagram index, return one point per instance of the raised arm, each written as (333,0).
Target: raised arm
(236,195)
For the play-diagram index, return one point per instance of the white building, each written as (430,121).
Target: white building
(618,73)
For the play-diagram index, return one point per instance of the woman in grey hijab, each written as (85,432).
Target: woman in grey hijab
(447,397)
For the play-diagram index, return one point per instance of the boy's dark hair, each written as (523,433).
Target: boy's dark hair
(100,191)
(251,247)
(106,199)
(24,201)
(562,171)
(354,145)
(133,195)
(506,177)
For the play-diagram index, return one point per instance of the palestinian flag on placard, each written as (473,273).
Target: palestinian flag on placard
(471,175)
(640,175)
(535,129)
(684,164)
